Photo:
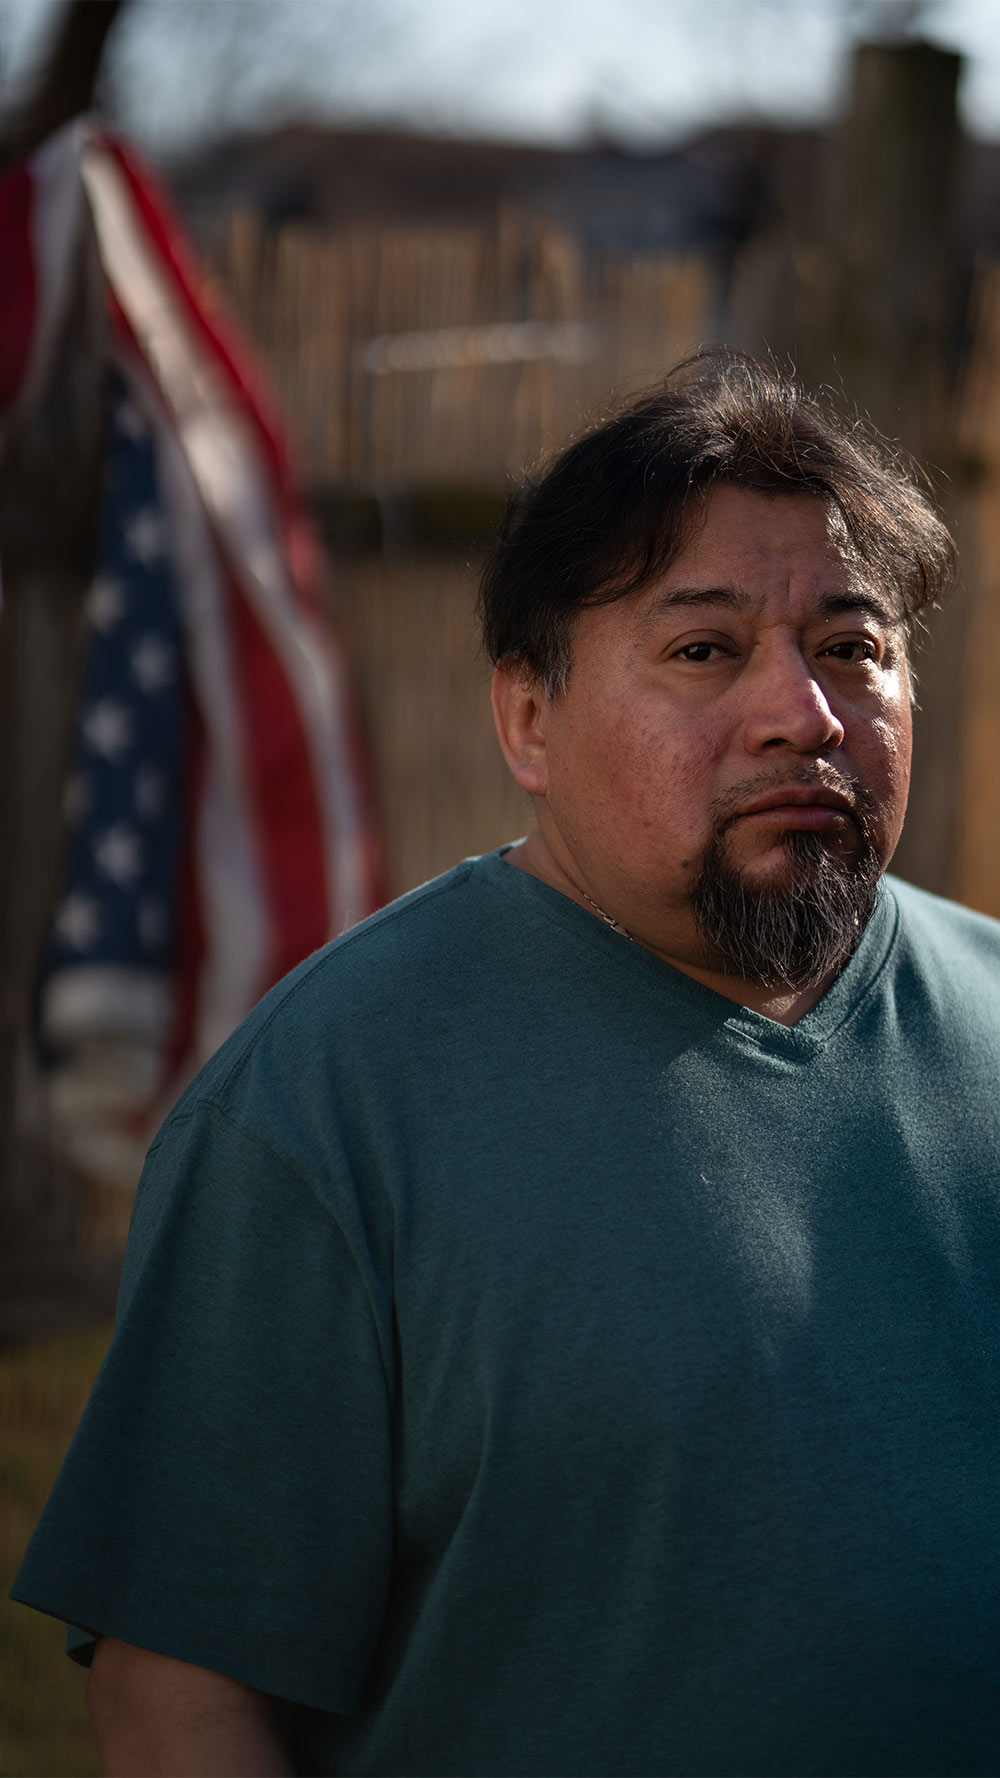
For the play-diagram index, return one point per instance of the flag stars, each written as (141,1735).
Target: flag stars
(145,536)
(119,854)
(153,663)
(105,602)
(107,729)
(77,921)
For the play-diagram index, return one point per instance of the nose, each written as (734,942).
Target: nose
(787,706)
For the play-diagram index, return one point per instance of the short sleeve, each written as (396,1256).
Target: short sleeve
(227,1499)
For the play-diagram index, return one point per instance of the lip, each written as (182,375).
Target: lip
(801,797)
(801,806)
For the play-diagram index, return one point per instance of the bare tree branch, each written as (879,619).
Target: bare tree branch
(66,85)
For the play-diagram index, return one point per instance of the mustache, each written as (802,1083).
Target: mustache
(728,808)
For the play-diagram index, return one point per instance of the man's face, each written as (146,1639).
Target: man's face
(757,690)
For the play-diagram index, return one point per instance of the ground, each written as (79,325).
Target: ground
(43,1720)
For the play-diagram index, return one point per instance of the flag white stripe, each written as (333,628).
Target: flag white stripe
(233,902)
(109,1000)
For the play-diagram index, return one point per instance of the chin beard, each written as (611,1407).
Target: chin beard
(795,933)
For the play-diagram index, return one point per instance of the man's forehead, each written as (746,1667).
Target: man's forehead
(697,576)
(855,596)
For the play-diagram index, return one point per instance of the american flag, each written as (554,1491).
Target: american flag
(219,808)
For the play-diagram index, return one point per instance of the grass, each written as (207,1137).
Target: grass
(43,1719)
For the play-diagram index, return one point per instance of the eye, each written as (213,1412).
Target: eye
(698,651)
(854,649)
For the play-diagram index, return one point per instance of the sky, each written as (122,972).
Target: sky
(640,72)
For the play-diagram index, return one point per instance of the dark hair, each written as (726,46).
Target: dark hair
(613,509)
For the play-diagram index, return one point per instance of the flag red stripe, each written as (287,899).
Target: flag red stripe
(287,819)
(18,286)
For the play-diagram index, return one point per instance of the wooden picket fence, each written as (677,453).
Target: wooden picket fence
(443,788)
(313,302)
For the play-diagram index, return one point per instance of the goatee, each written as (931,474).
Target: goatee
(798,932)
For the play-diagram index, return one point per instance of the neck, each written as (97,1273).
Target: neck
(783,1004)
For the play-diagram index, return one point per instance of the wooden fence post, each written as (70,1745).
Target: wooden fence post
(892,223)
(894,285)
(48,504)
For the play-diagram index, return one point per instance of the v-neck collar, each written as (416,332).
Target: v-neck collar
(839,1004)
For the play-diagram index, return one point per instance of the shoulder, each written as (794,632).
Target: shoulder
(932,924)
(368,992)
(947,954)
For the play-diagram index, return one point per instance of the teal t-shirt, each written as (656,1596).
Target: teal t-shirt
(531,1362)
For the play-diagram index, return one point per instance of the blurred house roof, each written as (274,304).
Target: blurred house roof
(710,192)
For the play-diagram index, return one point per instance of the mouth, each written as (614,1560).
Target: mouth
(769,810)
(801,805)
(806,806)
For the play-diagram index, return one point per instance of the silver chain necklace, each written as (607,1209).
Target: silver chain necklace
(608,921)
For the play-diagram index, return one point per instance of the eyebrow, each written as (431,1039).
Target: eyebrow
(867,603)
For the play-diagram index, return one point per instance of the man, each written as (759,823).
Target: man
(559,1329)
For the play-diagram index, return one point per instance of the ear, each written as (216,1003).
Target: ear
(520,705)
